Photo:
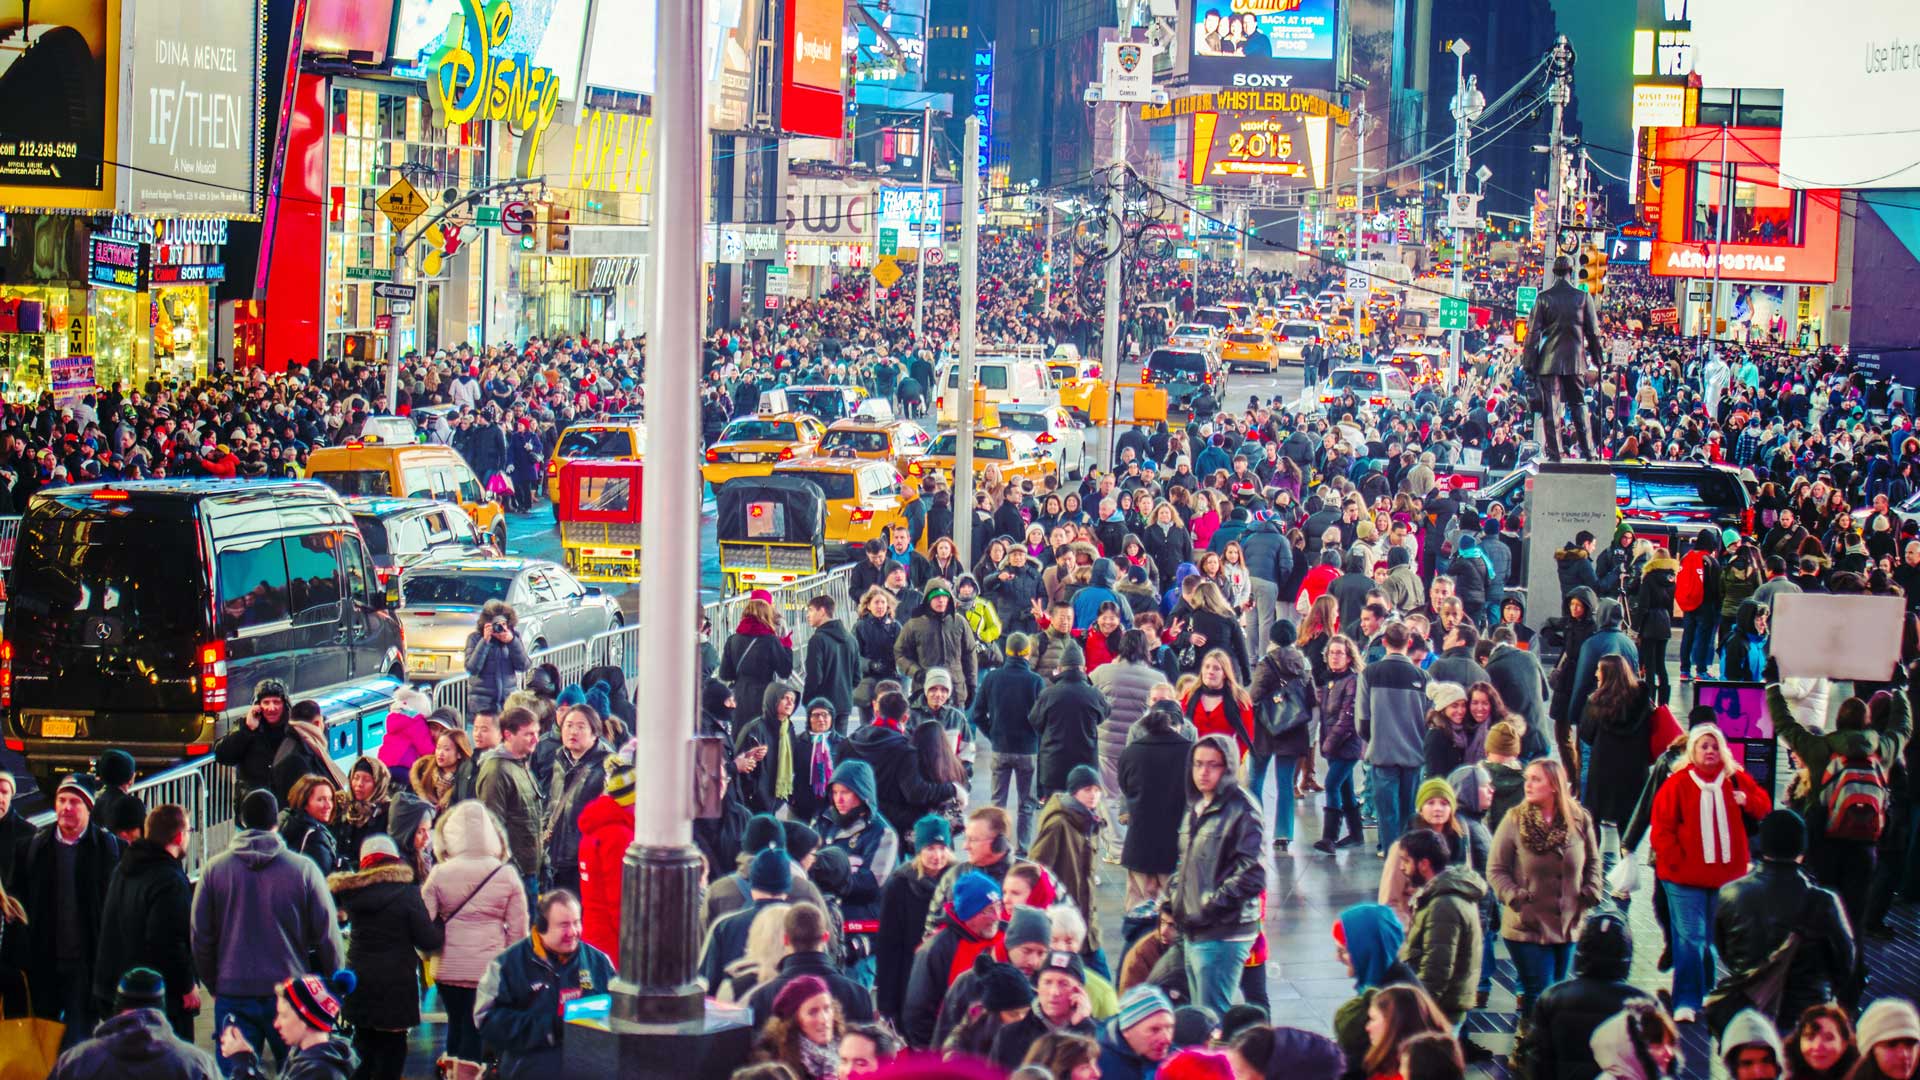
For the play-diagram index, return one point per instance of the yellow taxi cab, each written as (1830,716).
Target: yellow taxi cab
(753,445)
(865,499)
(1340,327)
(371,466)
(620,439)
(1014,454)
(896,442)
(1078,383)
(1249,347)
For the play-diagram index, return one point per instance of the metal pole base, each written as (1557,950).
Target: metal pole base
(709,1048)
(659,938)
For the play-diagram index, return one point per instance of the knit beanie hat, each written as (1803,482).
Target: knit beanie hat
(762,832)
(620,777)
(317,1000)
(260,811)
(771,872)
(377,849)
(1029,926)
(1443,694)
(1502,739)
(115,767)
(1073,656)
(1434,788)
(1885,1020)
(1082,776)
(1066,963)
(126,812)
(140,988)
(80,784)
(801,840)
(797,993)
(1194,1063)
(932,829)
(972,894)
(1142,1001)
(937,676)
(1002,986)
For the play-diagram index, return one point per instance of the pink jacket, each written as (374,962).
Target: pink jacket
(407,739)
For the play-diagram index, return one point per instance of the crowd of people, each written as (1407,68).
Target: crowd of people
(922,800)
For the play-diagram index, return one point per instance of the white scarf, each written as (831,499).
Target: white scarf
(1716,836)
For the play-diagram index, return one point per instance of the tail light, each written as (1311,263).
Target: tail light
(713,457)
(1746,526)
(6,674)
(1207,378)
(213,676)
(386,574)
(786,453)
(860,517)
(913,468)
(1044,439)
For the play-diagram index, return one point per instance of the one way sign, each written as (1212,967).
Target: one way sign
(387,290)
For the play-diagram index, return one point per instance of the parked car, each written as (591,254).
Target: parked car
(440,604)
(401,533)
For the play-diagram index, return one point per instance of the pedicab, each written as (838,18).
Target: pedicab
(771,531)
(598,511)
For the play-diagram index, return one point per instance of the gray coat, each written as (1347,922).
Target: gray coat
(262,915)
(1564,337)
(1126,688)
(1390,712)
(135,1045)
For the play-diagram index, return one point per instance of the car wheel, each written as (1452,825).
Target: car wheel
(616,623)
(500,533)
(539,645)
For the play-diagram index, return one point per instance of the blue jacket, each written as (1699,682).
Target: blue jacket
(1087,601)
(870,842)
(518,1003)
(1610,639)
(1000,708)
(1118,1061)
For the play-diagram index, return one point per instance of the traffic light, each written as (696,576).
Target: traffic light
(1599,267)
(1590,263)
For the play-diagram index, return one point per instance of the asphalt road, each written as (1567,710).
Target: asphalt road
(533,534)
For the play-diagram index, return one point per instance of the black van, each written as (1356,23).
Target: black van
(142,614)
(1193,379)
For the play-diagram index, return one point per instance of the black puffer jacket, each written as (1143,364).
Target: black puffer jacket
(1620,759)
(875,638)
(1573,633)
(1067,718)
(1653,604)
(1216,890)
(1566,1015)
(1756,914)
(390,928)
(145,923)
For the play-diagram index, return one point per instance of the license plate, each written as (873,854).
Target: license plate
(59,727)
(425,663)
(747,458)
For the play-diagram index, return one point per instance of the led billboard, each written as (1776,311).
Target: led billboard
(1263,44)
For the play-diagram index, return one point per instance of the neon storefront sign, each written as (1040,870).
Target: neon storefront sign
(470,78)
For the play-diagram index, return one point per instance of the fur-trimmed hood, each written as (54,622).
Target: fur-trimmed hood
(346,881)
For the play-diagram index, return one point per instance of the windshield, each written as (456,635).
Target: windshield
(983,447)
(760,430)
(1213,316)
(1024,421)
(596,443)
(1193,330)
(1345,379)
(422,587)
(860,442)
(105,598)
(1241,337)
(1300,330)
(834,485)
(1179,361)
(826,404)
(357,481)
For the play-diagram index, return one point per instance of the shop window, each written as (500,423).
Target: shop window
(1761,211)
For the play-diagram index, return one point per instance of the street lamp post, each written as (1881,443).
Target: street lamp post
(1468,103)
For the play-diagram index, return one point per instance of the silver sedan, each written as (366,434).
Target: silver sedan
(441,602)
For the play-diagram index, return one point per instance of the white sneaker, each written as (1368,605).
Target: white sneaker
(1684,1016)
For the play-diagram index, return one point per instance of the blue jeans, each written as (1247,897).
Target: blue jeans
(254,1017)
(1691,911)
(1393,789)
(1489,930)
(1699,638)
(1340,794)
(1213,972)
(1283,770)
(1538,967)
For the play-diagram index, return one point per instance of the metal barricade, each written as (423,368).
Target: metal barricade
(9,533)
(451,693)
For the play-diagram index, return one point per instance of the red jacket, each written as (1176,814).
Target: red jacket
(1215,722)
(1314,586)
(1679,841)
(606,831)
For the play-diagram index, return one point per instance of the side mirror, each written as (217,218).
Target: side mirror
(593,590)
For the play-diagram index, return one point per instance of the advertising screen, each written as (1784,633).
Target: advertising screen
(1847,84)
(547,32)
(193,114)
(1262,149)
(919,215)
(1263,44)
(621,54)
(60,127)
(363,26)
(813,65)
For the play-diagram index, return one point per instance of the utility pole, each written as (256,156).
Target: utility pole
(969,330)
(1046,267)
(1560,93)
(919,242)
(1724,193)
(1116,238)
(1360,174)
(1468,103)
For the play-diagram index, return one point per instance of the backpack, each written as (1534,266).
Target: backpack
(1690,584)
(1856,797)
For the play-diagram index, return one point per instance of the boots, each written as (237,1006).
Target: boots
(1329,831)
(1356,833)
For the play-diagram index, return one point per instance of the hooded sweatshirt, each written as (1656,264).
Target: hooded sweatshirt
(1618,1052)
(1372,935)
(135,1045)
(1087,601)
(1748,1029)
(259,914)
